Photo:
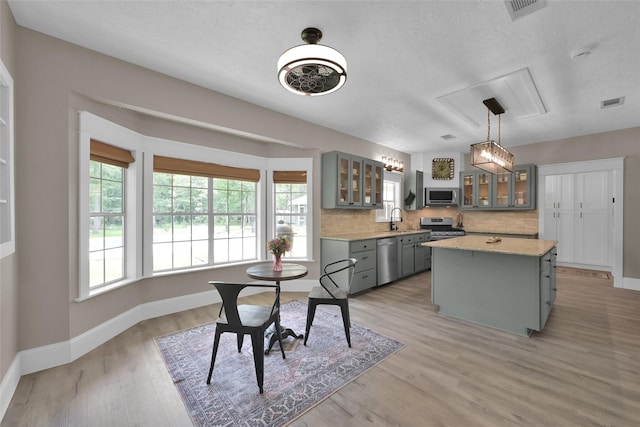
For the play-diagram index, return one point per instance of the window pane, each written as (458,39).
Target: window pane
(220,251)
(114,232)
(200,227)
(112,197)
(199,200)
(107,231)
(181,254)
(113,264)
(291,216)
(220,201)
(112,173)
(200,254)
(162,178)
(162,228)
(235,201)
(161,199)
(235,249)
(181,199)
(95,195)
(162,256)
(220,228)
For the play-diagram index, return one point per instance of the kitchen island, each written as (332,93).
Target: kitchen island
(505,283)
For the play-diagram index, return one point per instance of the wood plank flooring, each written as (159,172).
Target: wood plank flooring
(582,370)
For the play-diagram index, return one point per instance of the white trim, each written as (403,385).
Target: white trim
(9,247)
(286,164)
(630,283)
(616,167)
(9,384)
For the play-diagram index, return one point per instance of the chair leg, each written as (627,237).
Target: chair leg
(214,352)
(257,341)
(311,312)
(346,320)
(240,341)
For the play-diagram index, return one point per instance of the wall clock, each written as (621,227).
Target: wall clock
(442,168)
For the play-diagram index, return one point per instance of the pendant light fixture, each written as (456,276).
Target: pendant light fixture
(489,155)
(312,69)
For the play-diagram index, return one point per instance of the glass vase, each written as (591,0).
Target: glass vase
(277,262)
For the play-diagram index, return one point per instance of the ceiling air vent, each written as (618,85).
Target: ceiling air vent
(519,8)
(448,137)
(614,102)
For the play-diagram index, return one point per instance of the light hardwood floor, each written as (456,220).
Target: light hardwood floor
(582,370)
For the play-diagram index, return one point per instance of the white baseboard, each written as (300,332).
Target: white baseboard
(9,384)
(630,283)
(37,359)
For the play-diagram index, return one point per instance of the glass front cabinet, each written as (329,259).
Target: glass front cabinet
(372,185)
(505,191)
(351,182)
(476,189)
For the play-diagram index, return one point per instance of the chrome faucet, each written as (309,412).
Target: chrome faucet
(393,226)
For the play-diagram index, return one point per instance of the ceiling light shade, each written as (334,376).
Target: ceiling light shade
(312,69)
(489,155)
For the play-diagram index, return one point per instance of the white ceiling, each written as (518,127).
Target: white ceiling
(402,57)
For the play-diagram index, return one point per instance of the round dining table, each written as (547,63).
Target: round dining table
(290,271)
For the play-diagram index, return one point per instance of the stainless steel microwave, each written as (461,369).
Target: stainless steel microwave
(441,196)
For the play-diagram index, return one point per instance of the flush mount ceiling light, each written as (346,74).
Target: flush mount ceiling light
(312,69)
(489,155)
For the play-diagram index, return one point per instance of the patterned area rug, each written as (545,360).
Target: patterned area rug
(584,273)
(292,386)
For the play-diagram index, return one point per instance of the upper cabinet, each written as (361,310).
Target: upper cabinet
(351,182)
(506,191)
(515,190)
(476,189)
(414,190)
(372,184)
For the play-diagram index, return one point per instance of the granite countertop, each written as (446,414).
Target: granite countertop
(507,245)
(373,235)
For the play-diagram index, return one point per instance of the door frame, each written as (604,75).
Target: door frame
(616,167)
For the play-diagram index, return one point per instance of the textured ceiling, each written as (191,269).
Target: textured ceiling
(402,57)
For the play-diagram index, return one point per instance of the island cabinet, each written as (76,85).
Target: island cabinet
(365,273)
(351,182)
(508,285)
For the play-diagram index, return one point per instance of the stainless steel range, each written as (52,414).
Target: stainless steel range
(441,228)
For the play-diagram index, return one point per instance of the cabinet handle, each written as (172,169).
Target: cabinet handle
(548,276)
(365,276)
(548,302)
(554,289)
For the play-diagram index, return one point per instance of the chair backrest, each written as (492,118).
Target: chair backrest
(338,275)
(229,293)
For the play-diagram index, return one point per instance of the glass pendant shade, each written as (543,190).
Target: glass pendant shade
(312,69)
(491,157)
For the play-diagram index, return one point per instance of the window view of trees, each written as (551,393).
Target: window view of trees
(107,222)
(291,216)
(186,208)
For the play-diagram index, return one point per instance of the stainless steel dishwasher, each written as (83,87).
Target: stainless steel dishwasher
(387,257)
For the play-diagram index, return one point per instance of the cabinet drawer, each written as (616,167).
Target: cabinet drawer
(408,239)
(419,238)
(363,280)
(366,260)
(362,245)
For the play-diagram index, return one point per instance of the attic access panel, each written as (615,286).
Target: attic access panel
(516,92)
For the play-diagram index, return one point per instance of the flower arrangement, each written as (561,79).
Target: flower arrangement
(279,245)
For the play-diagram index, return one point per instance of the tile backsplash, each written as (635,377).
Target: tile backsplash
(342,221)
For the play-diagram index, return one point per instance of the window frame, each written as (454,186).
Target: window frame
(289,164)
(7,247)
(383,215)
(139,197)
(94,127)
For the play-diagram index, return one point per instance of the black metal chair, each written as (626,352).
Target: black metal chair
(244,320)
(334,288)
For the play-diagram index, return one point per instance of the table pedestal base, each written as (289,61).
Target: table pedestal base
(284,331)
